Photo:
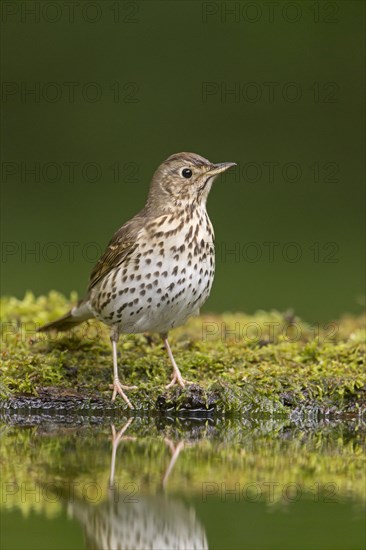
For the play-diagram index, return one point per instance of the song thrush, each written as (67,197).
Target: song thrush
(159,267)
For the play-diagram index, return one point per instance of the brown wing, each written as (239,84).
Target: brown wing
(122,246)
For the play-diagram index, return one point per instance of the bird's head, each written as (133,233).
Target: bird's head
(185,178)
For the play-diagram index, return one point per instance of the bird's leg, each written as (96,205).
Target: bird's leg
(116,438)
(177,377)
(117,386)
(175,451)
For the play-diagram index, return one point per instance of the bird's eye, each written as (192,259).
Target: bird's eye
(186,173)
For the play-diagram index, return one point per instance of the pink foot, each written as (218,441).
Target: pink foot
(178,379)
(118,388)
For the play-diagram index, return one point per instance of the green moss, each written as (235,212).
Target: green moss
(268,363)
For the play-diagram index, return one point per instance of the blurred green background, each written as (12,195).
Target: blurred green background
(119,86)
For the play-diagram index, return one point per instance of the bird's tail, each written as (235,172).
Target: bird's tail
(78,314)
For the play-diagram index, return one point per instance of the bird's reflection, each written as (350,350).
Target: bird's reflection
(141,521)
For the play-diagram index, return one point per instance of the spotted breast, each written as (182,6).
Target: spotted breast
(164,280)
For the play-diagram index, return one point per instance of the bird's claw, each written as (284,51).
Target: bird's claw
(178,379)
(118,388)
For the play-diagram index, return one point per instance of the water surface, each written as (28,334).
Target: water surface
(182,483)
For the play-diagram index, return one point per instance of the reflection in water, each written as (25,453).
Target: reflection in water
(164,473)
(133,521)
(152,522)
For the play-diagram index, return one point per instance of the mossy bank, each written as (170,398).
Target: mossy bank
(270,363)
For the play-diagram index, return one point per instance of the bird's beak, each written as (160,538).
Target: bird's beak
(220,167)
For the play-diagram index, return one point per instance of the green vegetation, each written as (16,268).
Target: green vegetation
(268,363)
